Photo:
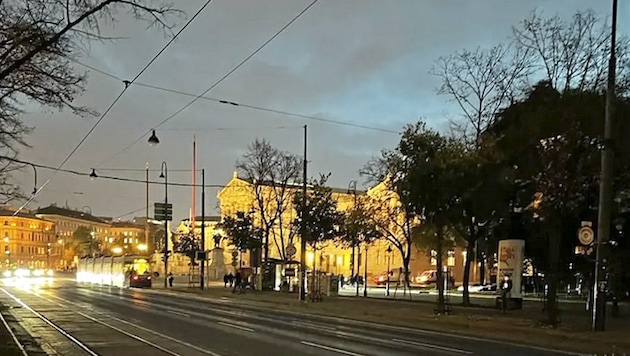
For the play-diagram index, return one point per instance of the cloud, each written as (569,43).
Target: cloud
(365,62)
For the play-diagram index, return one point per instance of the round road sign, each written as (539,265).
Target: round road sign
(586,235)
(234,253)
(291,250)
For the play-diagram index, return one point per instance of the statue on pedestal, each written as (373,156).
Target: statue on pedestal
(217,240)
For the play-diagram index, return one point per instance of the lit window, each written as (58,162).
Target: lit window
(450,260)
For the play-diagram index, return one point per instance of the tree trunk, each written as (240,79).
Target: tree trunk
(470,250)
(439,274)
(406,271)
(554,236)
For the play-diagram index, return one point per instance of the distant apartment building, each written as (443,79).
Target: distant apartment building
(67,221)
(28,241)
(128,236)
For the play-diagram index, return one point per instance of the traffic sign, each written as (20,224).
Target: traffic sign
(586,235)
(234,253)
(291,250)
(201,256)
(163,211)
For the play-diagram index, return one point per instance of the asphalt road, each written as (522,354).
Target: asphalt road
(110,321)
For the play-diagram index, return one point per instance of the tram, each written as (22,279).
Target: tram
(117,271)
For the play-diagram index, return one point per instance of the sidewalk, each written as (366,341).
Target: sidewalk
(519,326)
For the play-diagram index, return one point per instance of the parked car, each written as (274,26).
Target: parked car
(428,279)
(394,277)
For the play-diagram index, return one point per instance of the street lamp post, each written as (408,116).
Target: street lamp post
(352,188)
(389,255)
(203,229)
(48,255)
(605,189)
(303,224)
(365,281)
(7,251)
(164,174)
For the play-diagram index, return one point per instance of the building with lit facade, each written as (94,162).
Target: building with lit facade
(127,237)
(66,221)
(239,195)
(28,241)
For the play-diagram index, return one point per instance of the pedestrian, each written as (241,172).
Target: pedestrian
(342,280)
(226,280)
(170,279)
(238,280)
(231,279)
(506,289)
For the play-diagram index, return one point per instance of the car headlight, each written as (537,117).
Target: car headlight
(22,273)
(423,278)
(7,274)
(38,272)
(49,273)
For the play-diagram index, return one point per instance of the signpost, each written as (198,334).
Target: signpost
(163,212)
(291,251)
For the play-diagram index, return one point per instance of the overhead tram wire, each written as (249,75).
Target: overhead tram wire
(121,179)
(215,84)
(273,111)
(248,106)
(111,106)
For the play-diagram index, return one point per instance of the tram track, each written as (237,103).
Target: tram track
(95,335)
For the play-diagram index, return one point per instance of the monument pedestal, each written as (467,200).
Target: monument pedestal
(216,265)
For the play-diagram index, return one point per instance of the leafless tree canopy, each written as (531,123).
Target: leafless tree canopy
(274,175)
(481,82)
(38,40)
(570,54)
(573,54)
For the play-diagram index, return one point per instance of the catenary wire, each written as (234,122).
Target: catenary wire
(108,177)
(114,102)
(215,84)
(248,106)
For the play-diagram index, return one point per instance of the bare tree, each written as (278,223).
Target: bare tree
(38,41)
(393,222)
(573,54)
(481,82)
(273,175)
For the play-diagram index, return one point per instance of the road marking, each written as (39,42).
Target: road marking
(135,337)
(184,343)
(329,348)
(432,346)
(51,324)
(313,326)
(235,326)
(178,313)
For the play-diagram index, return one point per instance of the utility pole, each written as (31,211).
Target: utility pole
(303,223)
(355,249)
(203,229)
(605,190)
(146,214)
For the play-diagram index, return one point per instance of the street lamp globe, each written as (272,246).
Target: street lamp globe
(153,140)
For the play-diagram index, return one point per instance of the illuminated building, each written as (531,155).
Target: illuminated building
(28,241)
(238,195)
(67,221)
(130,237)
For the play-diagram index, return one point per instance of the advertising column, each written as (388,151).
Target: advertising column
(511,264)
